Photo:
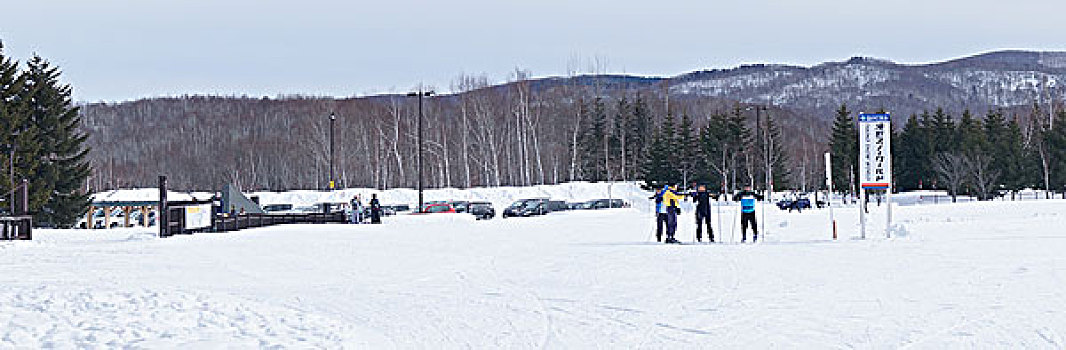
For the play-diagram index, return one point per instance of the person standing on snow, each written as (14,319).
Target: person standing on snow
(672,207)
(660,213)
(357,210)
(747,200)
(375,209)
(703,197)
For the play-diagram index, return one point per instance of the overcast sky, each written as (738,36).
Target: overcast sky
(120,50)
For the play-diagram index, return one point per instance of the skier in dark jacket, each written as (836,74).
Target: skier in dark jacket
(660,213)
(703,198)
(375,209)
(747,200)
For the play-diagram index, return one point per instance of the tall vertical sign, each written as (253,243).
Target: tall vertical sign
(875,160)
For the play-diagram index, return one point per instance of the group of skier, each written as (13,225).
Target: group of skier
(357,214)
(668,207)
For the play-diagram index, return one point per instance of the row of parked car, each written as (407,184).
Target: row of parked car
(541,206)
(520,208)
(479,209)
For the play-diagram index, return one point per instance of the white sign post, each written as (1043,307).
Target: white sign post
(875,161)
(829,192)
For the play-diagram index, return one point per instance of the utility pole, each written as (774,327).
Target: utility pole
(332,119)
(420,94)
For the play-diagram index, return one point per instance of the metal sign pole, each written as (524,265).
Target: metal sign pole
(888,212)
(829,192)
(862,213)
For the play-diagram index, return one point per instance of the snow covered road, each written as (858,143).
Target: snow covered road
(967,275)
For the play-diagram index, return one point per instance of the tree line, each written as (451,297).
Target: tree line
(524,132)
(966,155)
(42,142)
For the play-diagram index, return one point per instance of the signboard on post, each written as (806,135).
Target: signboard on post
(198,216)
(875,163)
(875,151)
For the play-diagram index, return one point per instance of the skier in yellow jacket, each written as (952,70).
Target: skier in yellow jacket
(667,208)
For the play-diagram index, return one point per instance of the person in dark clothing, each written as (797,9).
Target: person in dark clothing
(660,214)
(703,197)
(375,209)
(747,200)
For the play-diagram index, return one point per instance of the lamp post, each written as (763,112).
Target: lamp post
(332,119)
(420,94)
(759,142)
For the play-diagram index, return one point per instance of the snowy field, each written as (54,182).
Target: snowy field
(985,275)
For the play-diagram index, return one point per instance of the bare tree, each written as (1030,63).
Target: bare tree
(983,174)
(952,169)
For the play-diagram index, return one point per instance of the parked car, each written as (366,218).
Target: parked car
(575,205)
(460,206)
(400,208)
(554,206)
(800,203)
(429,203)
(273,208)
(521,207)
(438,208)
(605,203)
(535,208)
(482,210)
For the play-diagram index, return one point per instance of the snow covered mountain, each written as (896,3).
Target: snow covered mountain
(996,79)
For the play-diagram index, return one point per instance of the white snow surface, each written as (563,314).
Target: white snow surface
(965,275)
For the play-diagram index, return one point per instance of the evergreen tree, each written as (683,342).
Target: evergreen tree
(909,160)
(844,150)
(13,124)
(661,165)
(591,144)
(970,135)
(61,166)
(1021,170)
(638,133)
(688,154)
(781,173)
(1056,145)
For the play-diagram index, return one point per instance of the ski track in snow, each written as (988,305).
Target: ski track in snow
(985,275)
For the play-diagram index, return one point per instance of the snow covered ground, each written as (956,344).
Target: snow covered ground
(986,274)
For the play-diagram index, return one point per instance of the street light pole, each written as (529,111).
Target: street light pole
(332,118)
(420,94)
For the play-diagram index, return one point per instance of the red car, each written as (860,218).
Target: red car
(438,208)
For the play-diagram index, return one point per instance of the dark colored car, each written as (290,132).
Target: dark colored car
(482,210)
(605,203)
(460,206)
(525,207)
(799,203)
(277,207)
(554,206)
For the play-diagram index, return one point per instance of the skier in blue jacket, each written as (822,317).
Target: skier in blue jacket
(747,200)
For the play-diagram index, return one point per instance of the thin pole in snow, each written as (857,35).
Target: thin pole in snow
(862,213)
